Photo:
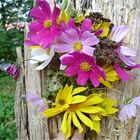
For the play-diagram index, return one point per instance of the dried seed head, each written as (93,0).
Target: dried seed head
(105,52)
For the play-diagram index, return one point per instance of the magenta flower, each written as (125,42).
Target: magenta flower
(129,110)
(44,29)
(84,66)
(38,101)
(77,40)
(13,71)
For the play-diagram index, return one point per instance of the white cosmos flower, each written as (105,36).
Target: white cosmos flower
(41,55)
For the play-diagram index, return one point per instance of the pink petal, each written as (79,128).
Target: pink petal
(127,51)
(136,101)
(37,14)
(94,79)
(45,7)
(131,110)
(72,70)
(121,73)
(55,31)
(101,72)
(85,35)
(98,32)
(35,26)
(134,67)
(42,107)
(119,33)
(91,41)
(56,12)
(62,48)
(71,23)
(122,115)
(29,43)
(73,34)
(68,60)
(36,99)
(86,25)
(82,78)
(66,38)
(88,50)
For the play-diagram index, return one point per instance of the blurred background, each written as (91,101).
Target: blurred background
(13,16)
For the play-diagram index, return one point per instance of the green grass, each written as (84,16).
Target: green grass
(7,118)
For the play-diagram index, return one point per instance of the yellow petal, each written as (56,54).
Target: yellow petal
(110,110)
(64,123)
(58,97)
(69,94)
(108,102)
(106,83)
(106,29)
(68,132)
(108,68)
(78,90)
(92,100)
(91,109)
(84,119)
(76,122)
(96,126)
(95,117)
(52,112)
(78,99)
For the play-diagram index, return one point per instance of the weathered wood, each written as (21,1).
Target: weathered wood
(120,12)
(20,106)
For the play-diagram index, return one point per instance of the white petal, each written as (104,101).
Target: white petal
(38,51)
(44,64)
(39,58)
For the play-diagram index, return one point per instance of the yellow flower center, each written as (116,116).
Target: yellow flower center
(78,46)
(85,66)
(73,107)
(61,102)
(48,24)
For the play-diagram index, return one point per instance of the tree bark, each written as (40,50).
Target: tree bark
(120,12)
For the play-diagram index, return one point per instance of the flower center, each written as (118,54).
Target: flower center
(48,24)
(85,66)
(61,102)
(78,46)
(73,107)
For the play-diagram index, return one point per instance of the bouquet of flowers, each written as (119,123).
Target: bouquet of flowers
(91,54)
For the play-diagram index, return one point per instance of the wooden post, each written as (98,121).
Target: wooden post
(120,12)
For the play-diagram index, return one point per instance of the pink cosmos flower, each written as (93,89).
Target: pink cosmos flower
(37,100)
(77,40)
(13,71)
(129,110)
(84,66)
(44,28)
(126,55)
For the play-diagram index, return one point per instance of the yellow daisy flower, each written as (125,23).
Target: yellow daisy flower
(64,98)
(111,76)
(80,112)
